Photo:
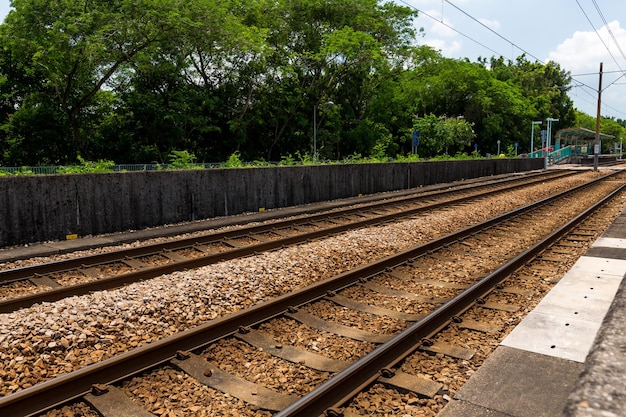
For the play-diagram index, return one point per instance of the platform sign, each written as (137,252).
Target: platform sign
(415,136)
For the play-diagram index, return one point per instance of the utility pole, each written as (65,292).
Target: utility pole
(596,147)
(548,138)
(532,136)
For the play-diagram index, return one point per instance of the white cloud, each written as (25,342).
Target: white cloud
(447,47)
(443,31)
(584,51)
(491,24)
(582,54)
(441,37)
(531,26)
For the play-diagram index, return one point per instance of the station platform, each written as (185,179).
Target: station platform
(567,358)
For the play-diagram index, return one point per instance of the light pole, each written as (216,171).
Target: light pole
(532,135)
(315,129)
(498,148)
(315,133)
(549,136)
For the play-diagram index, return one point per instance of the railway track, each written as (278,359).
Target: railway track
(479,257)
(56,280)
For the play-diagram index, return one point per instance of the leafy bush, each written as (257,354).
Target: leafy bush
(182,160)
(234,161)
(87,167)
(288,160)
(408,158)
(19,171)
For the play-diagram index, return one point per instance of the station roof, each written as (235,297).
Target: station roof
(581,133)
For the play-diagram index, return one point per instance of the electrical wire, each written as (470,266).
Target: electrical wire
(441,22)
(595,73)
(606,24)
(492,31)
(598,33)
(608,28)
(582,84)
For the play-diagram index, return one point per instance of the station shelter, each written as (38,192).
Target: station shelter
(572,143)
(580,140)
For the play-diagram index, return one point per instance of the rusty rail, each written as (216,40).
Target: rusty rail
(349,382)
(335,391)
(99,259)
(114,281)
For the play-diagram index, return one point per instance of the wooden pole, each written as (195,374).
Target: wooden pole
(597,145)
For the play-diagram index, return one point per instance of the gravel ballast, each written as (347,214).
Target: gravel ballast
(51,339)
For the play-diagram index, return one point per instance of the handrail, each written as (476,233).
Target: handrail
(553,156)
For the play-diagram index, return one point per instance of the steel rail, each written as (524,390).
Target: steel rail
(158,248)
(73,385)
(349,382)
(55,294)
(283,212)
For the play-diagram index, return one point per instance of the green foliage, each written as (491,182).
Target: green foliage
(19,171)
(182,160)
(87,167)
(439,134)
(510,151)
(260,163)
(134,81)
(464,156)
(609,126)
(408,158)
(307,158)
(234,161)
(73,49)
(288,160)
(443,157)
(297,159)
(459,156)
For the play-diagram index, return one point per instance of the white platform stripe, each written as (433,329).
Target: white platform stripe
(565,323)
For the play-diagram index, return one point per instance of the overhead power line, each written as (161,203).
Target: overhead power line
(595,73)
(581,84)
(598,33)
(608,28)
(492,31)
(441,22)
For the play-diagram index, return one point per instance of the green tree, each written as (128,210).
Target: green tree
(80,47)
(323,52)
(544,88)
(135,80)
(440,134)
(609,126)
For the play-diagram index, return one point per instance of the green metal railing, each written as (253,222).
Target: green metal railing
(59,169)
(553,156)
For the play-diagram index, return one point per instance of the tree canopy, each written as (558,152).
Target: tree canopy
(135,80)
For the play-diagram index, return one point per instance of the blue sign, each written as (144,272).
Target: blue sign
(416,138)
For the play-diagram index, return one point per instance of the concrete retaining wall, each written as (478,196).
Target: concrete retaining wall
(49,207)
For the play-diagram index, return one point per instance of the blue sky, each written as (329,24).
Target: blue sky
(572,33)
(563,31)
